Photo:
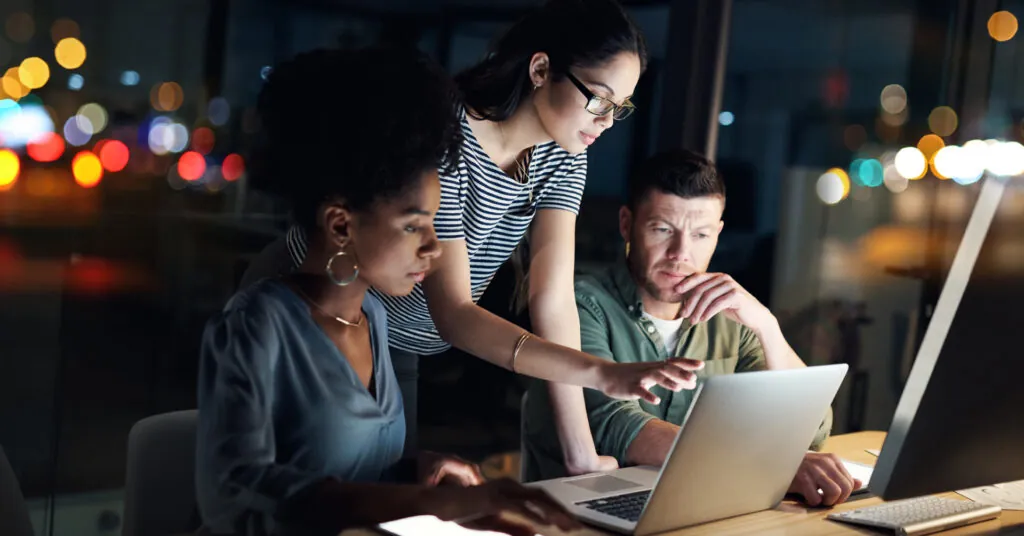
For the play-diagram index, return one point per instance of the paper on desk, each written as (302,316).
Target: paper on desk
(430,526)
(1008,496)
(859,471)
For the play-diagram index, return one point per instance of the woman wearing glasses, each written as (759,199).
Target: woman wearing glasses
(301,427)
(550,87)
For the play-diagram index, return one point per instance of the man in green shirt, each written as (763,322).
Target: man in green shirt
(658,303)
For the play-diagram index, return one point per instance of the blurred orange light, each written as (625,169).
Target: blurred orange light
(113,155)
(167,96)
(46,148)
(233,167)
(889,245)
(1002,26)
(34,73)
(40,182)
(12,85)
(10,167)
(930,144)
(87,168)
(203,140)
(64,28)
(70,53)
(191,166)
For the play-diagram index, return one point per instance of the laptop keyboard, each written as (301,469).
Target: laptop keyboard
(626,506)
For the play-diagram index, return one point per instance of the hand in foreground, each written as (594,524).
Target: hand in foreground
(631,381)
(707,294)
(434,469)
(481,507)
(824,472)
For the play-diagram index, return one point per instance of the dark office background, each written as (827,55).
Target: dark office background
(105,288)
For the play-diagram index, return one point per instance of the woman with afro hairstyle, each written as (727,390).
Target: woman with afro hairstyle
(301,420)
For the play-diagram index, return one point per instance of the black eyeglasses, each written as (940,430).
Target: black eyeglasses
(599,105)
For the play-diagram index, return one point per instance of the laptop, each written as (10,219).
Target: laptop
(737,452)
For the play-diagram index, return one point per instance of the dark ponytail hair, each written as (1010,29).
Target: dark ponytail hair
(582,33)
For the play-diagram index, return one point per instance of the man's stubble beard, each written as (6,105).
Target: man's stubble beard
(640,276)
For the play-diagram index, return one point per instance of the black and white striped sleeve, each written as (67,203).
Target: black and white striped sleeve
(448,221)
(565,191)
(296,242)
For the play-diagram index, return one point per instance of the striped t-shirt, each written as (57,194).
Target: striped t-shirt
(485,207)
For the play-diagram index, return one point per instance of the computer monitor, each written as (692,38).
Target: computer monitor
(960,420)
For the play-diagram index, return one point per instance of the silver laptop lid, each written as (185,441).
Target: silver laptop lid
(740,445)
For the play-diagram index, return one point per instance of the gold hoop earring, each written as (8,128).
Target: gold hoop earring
(627,249)
(341,282)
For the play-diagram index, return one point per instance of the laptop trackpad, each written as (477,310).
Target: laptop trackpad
(602,484)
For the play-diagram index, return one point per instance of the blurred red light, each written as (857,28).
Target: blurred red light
(233,167)
(47,148)
(203,140)
(191,166)
(113,155)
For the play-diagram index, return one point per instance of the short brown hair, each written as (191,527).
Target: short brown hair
(678,172)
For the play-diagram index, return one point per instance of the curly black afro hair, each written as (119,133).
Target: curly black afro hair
(355,125)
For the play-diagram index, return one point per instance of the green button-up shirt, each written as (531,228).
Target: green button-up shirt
(613,327)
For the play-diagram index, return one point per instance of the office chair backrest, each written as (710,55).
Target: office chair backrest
(14,518)
(160,495)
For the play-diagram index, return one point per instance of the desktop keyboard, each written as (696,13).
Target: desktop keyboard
(922,515)
(627,506)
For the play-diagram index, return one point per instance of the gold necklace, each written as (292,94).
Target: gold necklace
(322,310)
(522,161)
(523,165)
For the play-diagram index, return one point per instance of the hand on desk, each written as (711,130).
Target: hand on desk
(480,507)
(823,472)
(434,469)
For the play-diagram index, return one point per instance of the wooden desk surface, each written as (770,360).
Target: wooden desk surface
(794,519)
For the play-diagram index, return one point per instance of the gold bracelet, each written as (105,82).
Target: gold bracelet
(519,346)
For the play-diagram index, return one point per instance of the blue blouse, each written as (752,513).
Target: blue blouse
(280,408)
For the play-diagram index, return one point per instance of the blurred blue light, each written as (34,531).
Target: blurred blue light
(870,172)
(129,78)
(7,106)
(265,72)
(22,123)
(726,118)
(75,82)
(855,171)
(968,179)
(219,111)
(74,133)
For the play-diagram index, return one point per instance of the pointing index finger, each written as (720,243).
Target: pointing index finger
(686,363)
